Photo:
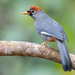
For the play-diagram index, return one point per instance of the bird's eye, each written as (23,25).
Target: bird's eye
(33,11)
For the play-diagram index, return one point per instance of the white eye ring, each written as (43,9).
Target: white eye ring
(33,11)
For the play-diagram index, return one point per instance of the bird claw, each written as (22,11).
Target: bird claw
(43,44)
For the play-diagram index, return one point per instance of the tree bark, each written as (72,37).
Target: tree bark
(13,48)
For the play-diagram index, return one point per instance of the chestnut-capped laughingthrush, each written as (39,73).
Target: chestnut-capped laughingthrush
(51,31)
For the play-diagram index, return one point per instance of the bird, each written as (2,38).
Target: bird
(51,31)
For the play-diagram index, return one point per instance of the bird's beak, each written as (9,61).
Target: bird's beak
(27,13)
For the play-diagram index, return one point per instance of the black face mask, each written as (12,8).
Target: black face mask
(30,13)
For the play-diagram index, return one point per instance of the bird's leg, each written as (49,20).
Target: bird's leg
(52,39)
(45,43)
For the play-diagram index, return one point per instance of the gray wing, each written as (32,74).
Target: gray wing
(53,28)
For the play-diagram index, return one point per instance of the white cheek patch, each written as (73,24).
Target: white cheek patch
(44,33)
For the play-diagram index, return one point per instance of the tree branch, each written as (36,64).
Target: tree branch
(13,48)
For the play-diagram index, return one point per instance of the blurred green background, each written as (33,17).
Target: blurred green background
(17,27)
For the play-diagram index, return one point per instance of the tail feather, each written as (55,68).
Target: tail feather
(66,61)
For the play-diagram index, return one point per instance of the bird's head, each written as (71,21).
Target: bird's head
(34,12)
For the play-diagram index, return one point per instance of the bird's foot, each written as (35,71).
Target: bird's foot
(44,44)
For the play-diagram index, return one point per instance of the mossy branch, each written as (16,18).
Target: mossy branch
(13,48)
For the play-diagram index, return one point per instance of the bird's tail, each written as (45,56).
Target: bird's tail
(65,58)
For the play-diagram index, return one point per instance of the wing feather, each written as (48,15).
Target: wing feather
(52,28)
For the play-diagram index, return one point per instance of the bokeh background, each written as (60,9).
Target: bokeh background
(17,27)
